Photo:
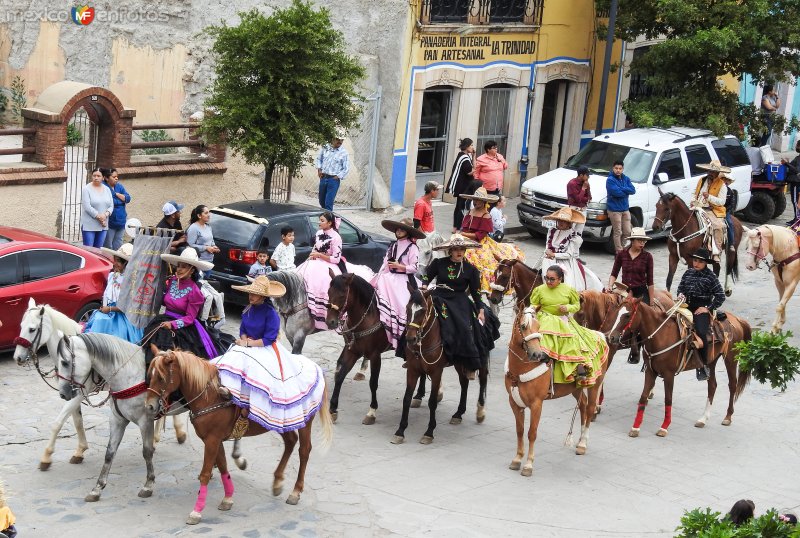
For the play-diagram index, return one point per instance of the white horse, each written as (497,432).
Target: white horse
(781,244)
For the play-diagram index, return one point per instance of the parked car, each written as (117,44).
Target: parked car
(654,158)
(69,278)
(242,228)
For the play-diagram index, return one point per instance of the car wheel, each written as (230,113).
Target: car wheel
(86,312)
(780,204)
(760,209)
(535,233)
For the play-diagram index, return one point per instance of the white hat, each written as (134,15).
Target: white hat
(639,233)
(189,255)
(170,208)
(125,251)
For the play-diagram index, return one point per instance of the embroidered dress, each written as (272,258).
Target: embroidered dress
(563,339)
(316,274)
(484,258)
(113,323)
(566,245)
(392,287)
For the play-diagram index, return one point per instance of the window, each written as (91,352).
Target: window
(44,264)
(599,157)
(503,11)
(697,155)
(9,273)
(232,230)
(273,236)
(639,88)
(350,235)
(671,164)
(493,118)
(730,152)
(444,11)
(433,129)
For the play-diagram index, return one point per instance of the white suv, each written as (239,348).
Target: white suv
(654,158)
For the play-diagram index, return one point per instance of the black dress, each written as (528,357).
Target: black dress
(457,299)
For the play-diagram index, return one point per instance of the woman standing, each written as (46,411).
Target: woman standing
(199,236)
(121,198)
(489,168)
(109,319)
(96,206)
(563,247)
(399,268)
(459,180)
(326,256)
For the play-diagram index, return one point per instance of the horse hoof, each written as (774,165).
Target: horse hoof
(45,465)
(455,420)
(526,471)
(73,460)
(225,505)
(194,518)
(181,438)
(145,493)
(358,377)
(661,432)
(398,440)
(416,402)
(650,396)
(699,424)
(726,422)
(515,465)
(480,418)
(334,416)
(92,497)
(440,396)
(580,450)
(426,440)
(293,499)
(369,420)
(277,490)
(241,463)
(634,432)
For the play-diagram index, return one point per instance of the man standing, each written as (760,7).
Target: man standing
(618,188)
(423,220)
(579,194)
(333,165)
(711,194)
(172,221)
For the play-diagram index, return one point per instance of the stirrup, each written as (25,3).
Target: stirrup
(703,373)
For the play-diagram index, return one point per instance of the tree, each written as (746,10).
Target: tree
(284,85)
(702,41)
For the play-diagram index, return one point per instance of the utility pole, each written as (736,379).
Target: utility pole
(612,20)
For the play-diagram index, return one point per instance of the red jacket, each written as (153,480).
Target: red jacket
(576,196)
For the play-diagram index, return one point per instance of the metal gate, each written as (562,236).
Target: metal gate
(80,156)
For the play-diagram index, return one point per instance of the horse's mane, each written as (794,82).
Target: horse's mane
(197,373)
(295,289)
(362,290)
(417,297)
(60,321)
(110,348)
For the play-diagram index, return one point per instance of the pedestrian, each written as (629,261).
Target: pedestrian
(96,207)
(121,198)
(770,102)
(711,194)
(562,247)
(701,289)
(261,266)
(489,168)
(618,188)
(579,194)
(283,255)
(423,220)
(741,512)
(793,179)
(200,237)
(172,221)
(460,178)
(333,165)
(498,219)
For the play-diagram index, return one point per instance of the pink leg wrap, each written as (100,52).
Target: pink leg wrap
(667,417)
(201,498)
(639,416)
(227,484)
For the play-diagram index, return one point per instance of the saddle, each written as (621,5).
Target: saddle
(707,226)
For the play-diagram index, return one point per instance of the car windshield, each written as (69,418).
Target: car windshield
(232,230)
(599,157)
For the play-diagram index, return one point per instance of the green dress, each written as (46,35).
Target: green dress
(563,339)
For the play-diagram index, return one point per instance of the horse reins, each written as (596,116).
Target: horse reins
(761,255)
(350,335)
(163,399)
(430,314)
(33,351)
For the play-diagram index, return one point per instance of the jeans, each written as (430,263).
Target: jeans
(94,239)
(620,227)
(794,192)
(114,238)
(328,186)
(729,221)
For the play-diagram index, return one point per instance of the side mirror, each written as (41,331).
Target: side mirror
(660,178)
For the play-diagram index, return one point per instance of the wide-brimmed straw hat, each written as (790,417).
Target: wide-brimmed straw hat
(715,166)
(566,214)
(263,286)
(481,195)
(457,241)
(620,289)
(638,233)
(125,251)
(406,224)
(189,255)
(703,254)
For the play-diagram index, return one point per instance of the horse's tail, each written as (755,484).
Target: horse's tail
(326,420)
(732,264)
(743,377)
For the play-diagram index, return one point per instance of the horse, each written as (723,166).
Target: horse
(690,236)
(666,354)
(514,275)
(296,320)
(216,419)
(781,244)
(528,382)
(425,355)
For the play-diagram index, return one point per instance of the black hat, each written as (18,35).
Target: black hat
(702,254)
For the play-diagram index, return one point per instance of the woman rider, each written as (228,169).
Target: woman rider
(563,246)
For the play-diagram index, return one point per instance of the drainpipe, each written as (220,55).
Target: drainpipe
(612,20)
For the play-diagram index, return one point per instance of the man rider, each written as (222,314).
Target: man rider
(702,291)
(711,194)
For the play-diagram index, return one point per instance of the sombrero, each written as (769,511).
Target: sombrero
(481,195)
(189,255)
(620,289)
(702,254)
(566,214)
(125,251)
(406,224)
(457,241)
(638,233)
(715,166)
(263,286)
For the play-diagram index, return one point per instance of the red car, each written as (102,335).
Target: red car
(69,278)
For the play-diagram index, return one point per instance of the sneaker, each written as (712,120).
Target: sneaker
(702,373)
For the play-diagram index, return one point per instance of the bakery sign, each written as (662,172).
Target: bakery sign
(465,48)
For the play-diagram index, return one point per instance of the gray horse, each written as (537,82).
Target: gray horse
(296,319)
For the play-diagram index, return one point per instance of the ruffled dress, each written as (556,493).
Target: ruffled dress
(113,323)
(392,287)
(484,258)
(566,245)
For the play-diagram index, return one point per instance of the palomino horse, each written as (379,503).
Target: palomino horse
(425,355)
(781,244)
(216,419)
(528,382)
(516,276)
(666,354)
(687,236)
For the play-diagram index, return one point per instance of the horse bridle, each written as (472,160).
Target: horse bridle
(430,315)
(96,378)
(531,356)
(758,256)
(33,346)
(350,335)
(164,403)
(618,339)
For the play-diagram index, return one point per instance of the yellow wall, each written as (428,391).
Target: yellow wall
(45,65)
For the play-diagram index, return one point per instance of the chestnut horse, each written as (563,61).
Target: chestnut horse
(425,356)
(514,275)
(529,382)
(665,346)
(215,418)
(781,244)
(686,237)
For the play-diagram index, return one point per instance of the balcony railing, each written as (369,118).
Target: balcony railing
(444,11)
(482,11)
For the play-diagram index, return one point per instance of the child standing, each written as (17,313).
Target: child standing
(261,267)
(498,219)
(283,257)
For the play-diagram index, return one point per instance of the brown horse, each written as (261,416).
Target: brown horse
(215,420)
(528,383)
(686,237)
(514,275)
(665,353)
(425,355)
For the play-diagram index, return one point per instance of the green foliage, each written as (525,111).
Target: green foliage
(284,84)
(3,101)
(158,135)
(707,524)
(769,358)
(74,136)
(19,99)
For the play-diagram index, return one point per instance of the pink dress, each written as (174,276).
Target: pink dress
(392,287)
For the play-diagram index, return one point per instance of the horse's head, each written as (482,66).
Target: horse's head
(663,209)
(338,297)
(34,331)
(757,247)
(73,368)
(165,378)
(621,320)
(418,310)
(527,335)
(503,279)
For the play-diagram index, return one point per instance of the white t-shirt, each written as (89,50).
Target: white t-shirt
(498,219)
(284,256)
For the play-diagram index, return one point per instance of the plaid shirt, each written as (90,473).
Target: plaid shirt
(701,288)
(637,271)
